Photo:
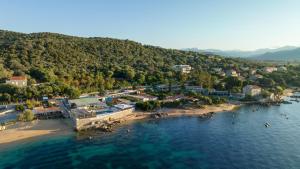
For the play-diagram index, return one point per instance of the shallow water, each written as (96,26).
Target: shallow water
(228,140)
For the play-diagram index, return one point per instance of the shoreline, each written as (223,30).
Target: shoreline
(24,131)
(177,112)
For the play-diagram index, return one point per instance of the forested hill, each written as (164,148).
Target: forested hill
(86,62)
(72,55)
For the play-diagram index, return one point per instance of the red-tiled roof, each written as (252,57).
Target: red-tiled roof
(18,78)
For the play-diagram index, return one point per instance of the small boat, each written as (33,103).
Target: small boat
(267,125)
(90,137)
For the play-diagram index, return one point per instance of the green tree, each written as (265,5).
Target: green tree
(233,83)
(26,116)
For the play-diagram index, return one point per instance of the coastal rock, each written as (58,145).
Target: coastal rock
(208,115)
(158,115)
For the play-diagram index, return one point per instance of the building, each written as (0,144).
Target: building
(165,88)
(86,118)
(269,69)
(219,93)
(20,81)
(236,96)
(182,68)
(231,73)
(143,97)
(282,68)
(217,70)
(252,72)
(197,89)
(86,102)
(252,90)
(47,113)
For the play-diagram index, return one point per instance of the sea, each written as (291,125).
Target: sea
(240,139)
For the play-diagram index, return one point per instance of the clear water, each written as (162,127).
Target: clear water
(228,140)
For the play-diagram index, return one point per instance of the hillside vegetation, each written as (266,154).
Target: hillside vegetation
(68,65)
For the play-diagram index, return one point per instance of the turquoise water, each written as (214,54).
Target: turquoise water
(227,140)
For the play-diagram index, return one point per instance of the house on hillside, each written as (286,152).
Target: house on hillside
(269,69)
(20,81)
(231,73)
(252,90)
(182,68)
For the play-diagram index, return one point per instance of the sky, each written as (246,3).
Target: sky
(205,24)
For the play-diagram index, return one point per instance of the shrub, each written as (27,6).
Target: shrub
(148,106)
(27,115)
(20,107)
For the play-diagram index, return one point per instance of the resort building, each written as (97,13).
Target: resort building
(182,68)
(20,81)
(88,118)
(86,102)
(252,90)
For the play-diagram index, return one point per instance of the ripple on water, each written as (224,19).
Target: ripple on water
(228,140)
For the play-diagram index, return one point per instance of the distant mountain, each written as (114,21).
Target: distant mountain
(284,55)
(240,53)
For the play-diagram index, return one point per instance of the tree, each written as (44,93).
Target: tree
(100,84)
(140,78)
(148,106)
(5,97)
(204,79)
(72,92)
(20,107)
(233,83)
(26,116)
(4,73)
(267,82)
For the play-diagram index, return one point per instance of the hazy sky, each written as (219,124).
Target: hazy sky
(222,24)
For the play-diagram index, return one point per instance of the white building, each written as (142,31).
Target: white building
(20,81)
(231,73)
(144,97)
(182,68)
(269,69)
(252,90)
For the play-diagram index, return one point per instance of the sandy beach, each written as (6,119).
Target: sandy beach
(175,112)
(28,130)
(40,128)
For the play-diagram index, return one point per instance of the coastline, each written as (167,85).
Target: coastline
(44,128)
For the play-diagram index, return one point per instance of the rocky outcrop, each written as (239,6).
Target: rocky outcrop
(207,115)
(158,115)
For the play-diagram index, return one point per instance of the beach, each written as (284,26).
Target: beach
(37,128)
